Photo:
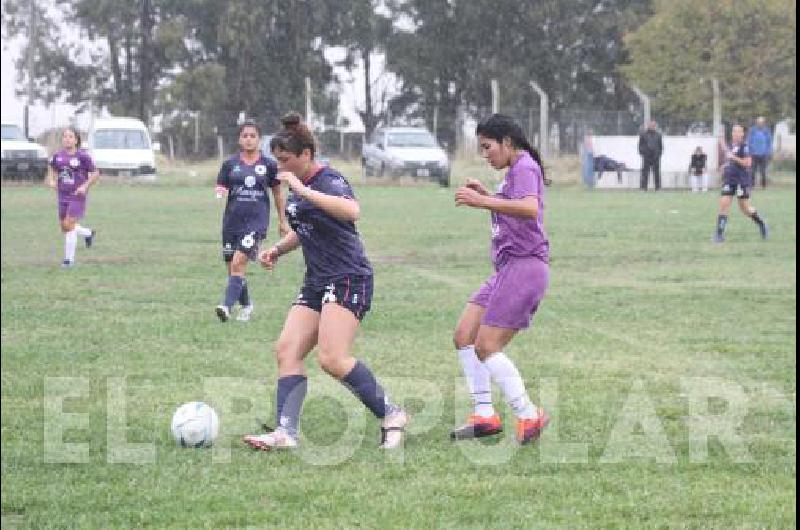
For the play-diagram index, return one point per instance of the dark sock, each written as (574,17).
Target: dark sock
(234,290)
(722,222)
(290,395)
(757,219)
(244,298)
(362,383)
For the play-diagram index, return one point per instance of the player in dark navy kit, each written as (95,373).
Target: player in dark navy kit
(245,178)
(336,291)
(72,172)
(737,181)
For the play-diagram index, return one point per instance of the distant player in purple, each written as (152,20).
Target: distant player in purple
(245,178)
(505,303)
(72,173)
(336,291)
(737,180)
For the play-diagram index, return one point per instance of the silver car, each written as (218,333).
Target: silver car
(406,151)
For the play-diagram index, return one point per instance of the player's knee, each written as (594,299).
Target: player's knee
(484,348)
(329,360)
(285,353)
(462,338)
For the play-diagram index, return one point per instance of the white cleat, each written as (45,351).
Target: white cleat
(277,439)
(223,313)
(245,313)
(393,429)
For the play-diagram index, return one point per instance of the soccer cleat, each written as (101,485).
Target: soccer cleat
(67,264)
(478,427)
(393,428)
(529,430)
(244,313)
(89,239)
(223,313)
(277,439)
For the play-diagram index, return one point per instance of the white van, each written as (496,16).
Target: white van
(122,147)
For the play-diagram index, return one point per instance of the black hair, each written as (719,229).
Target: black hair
(295,136)
(249,123)
(75,132)
(499,126)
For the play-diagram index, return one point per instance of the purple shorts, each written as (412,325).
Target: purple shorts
(71,207)
(512,294)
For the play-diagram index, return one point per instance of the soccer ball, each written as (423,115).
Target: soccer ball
(195,424)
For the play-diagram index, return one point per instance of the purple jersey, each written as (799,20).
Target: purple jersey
(72,170)
(514,236)
(247,209)
(332,248)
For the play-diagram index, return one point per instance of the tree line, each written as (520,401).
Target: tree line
(211,61)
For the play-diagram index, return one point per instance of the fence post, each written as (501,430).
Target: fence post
(645,99)
(544,136)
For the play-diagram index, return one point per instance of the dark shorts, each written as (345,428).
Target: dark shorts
(512,294)
(351,292)
(71,207)
(248,243)
(736,188)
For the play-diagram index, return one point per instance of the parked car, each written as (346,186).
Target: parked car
(699,128)
(264,146)
(21,157)
(406,151)
(122,147)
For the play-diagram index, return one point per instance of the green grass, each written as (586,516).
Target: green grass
(643,315)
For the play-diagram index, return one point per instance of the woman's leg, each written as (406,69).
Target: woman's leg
(722,217)
(297,339)
(477,376)
(70,239)
(236,284)
(337,331)
(749,210)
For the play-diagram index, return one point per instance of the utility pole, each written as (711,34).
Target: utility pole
(308,101)
(495,96)
(717,130)
(31,55)
(544,133)
(645,99)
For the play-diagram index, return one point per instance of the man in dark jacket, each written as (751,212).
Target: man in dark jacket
(650,148)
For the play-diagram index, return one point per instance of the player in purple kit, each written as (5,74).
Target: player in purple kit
(737,180)
(505,303)
(245,178)
(72,173)
(336,291)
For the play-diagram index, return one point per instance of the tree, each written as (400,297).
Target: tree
(748,45)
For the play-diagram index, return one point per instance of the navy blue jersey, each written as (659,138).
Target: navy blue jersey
(247,209)
(332,249)
(733,171)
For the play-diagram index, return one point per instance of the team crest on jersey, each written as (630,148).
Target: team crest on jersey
(261,170)
(237,168)
(74,162)
(292,210)
(250,180)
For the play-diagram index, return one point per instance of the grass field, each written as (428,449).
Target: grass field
(650,338)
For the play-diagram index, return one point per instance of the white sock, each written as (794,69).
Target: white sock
(478,381)
(83,231)
(70,239)
(507,377)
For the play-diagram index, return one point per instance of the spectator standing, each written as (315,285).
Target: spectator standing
(650,148)
(759,139)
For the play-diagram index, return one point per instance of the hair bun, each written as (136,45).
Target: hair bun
(291,120)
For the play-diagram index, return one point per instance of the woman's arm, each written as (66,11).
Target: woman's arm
(94,176)
(288,243)
(280,207)
(525,208)
(341,208)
